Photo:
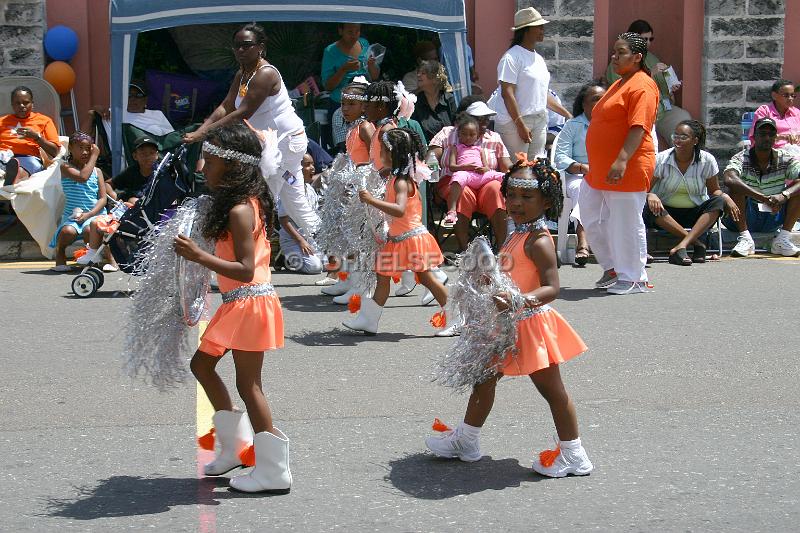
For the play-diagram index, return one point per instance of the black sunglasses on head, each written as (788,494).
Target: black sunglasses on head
(247,45)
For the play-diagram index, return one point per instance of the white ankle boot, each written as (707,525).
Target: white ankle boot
(427,296)
(353,288)
(271,473)
(367,318)
(338,288)
(233,432)
(407,283)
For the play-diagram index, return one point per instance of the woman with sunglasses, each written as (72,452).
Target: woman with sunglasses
(685,193)
(259,95)
(669,114)
(785,115)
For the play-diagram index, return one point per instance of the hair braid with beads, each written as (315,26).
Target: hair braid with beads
(381,91)
(549,183)
(406,147)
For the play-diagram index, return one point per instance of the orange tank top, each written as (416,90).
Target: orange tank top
(516,263)
(375,145)
(412,218)
(357,149)
(224,250)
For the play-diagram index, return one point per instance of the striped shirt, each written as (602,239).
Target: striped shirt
(448,138)
(782,167)
(668,178)
(82,195)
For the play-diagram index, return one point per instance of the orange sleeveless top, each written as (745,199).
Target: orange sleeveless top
(375,146)
(412,218)
(516,263)
(357,149)
(224,250)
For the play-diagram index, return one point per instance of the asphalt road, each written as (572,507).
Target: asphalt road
(687,401)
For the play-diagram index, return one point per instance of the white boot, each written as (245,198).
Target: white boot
(340,287)
(408,283)
(367,318)
(271,473)
(233,432)
(353,288)
(427,296)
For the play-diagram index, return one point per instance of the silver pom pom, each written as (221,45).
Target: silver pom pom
(170,297)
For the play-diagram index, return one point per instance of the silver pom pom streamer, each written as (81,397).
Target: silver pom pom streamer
(330,237)
(157,343)
(488,334)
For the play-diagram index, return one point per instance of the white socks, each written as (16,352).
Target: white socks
(746,234)
(471,432)
(785,235)
(570,444)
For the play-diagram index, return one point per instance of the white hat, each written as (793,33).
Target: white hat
(527,17)
(479,109)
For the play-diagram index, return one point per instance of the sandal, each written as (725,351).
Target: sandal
(581,255)
(649,259)
(680,258)
(699,253)
(450,219)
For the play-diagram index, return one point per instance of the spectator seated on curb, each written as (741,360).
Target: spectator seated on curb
(24,136)
(298,254)
(785,115)
(685,193)
(757,181)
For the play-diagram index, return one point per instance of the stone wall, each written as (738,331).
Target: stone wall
(568,47)
(22,26)
(743,57)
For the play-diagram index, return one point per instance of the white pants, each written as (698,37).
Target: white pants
(615,230)
(573,187)
(537,123)
(287,183)
(293,257)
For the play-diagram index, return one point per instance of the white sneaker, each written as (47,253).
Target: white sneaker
(629,287)
(744,246)
(452,330)
(325,281)
(454,444)
(785,247)
(573,462)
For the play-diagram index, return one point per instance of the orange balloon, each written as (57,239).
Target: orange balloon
(60,75)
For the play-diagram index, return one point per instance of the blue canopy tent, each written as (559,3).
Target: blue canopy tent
(129,17)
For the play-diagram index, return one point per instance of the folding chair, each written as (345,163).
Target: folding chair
(563,235)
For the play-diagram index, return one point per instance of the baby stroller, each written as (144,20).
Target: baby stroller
(171,183)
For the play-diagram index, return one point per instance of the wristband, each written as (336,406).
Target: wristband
(517,119)
(532,301)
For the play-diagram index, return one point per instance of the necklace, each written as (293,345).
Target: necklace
(384,121)
(243,86)
(355,123)
(534,225)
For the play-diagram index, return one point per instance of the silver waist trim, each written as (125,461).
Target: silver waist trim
(532,311)
(248,291)
(419,230)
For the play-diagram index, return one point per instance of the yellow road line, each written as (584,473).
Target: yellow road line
(204,409)
(26,264)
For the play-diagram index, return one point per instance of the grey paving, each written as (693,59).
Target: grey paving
(687,401)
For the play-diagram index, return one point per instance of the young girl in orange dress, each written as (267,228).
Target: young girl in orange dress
(354,98)
(250,320)
(409,246)
(545,339)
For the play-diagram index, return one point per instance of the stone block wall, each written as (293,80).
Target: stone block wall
(743,56)
(22,27)
(568,47)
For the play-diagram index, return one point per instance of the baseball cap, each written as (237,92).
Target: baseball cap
(144,139)
(765,121)
(479,109)
(136,87)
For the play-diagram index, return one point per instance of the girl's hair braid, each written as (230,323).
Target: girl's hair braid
(240,182)
(382,90)
(549,183)
(406,147)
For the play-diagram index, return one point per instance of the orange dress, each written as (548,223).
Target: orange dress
(375,145)
(253,320)
(544,338)
(410,246)
(356,148)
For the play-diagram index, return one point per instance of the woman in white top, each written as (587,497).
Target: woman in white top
(259,95)
(522,99)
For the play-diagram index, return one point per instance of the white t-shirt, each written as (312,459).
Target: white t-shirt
(152,121)
(528,71)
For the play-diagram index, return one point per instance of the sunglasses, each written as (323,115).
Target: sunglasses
(246,45)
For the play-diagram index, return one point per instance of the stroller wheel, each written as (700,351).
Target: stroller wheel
(98,276)
(84,286)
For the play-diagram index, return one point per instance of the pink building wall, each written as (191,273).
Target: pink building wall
(489,36)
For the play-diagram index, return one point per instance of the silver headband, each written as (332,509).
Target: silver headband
(379,99)
(231,155)
(353,96)
(523,183)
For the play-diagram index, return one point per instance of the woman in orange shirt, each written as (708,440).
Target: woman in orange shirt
(23,134)
(621,162)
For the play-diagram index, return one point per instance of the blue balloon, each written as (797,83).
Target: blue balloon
(61,43)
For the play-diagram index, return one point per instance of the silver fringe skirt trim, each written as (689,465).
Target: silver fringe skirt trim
(419,230)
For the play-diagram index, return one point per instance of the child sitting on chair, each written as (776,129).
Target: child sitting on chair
(468,164)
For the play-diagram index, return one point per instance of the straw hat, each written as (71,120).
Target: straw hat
(527,17)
